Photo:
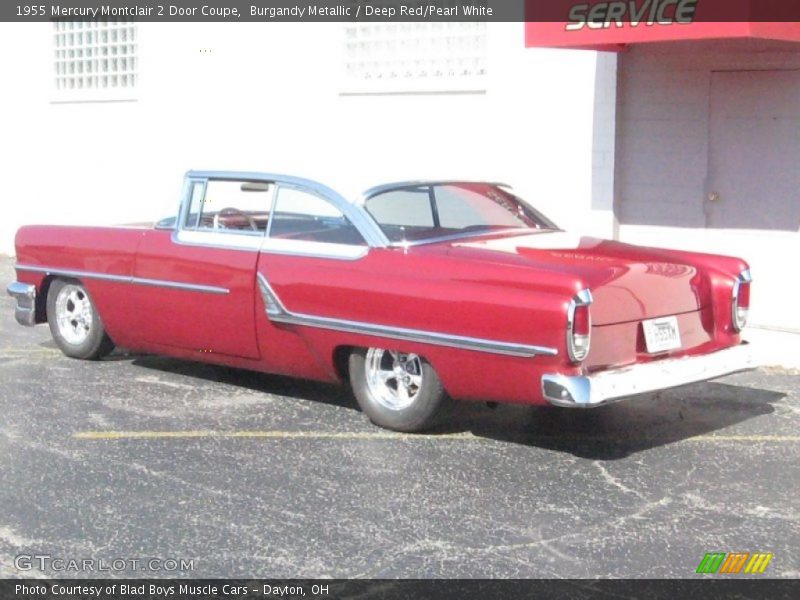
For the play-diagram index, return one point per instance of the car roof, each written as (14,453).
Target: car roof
(375,190)
(346,189)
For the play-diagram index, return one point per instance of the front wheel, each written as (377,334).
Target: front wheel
(75,322)
(397,390)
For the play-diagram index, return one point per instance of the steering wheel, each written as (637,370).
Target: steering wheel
(232,211)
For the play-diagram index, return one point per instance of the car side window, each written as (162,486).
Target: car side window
(302,215)
(459,207)
(227,206)
(403,208)
(195,205)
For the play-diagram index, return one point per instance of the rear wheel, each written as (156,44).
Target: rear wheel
(74,321)
(397,390)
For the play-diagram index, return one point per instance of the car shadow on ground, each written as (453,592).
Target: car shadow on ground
(303,389)
(604,433)
(619,430)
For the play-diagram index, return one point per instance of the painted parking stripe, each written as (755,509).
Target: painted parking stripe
(332,435)
(388,435)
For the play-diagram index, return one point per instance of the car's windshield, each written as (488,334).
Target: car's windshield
(425,212)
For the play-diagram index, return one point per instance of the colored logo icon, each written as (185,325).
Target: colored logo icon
(734,562)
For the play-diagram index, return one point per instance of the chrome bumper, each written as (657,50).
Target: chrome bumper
(585,391)
(25,295)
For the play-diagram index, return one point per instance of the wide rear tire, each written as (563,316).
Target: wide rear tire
(396,390)
(74,322)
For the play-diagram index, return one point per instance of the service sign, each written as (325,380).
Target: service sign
(616,24)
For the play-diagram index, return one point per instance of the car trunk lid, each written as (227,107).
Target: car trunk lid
(628,283)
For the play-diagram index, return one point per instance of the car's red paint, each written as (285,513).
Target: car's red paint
(514,288)
(221,324)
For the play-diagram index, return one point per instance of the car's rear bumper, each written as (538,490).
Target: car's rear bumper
(25,295)
(584,391)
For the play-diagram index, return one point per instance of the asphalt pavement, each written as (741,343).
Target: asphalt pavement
(241,474)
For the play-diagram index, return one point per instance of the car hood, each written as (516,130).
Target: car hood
(627,282)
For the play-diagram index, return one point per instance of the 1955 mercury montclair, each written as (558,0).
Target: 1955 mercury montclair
(415,293)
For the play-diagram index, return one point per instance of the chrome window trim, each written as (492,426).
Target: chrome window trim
(401,185)
(278,313)
(355,210)
(162,283)
(205,237)
(368,229)
(186,201)
(313,249)
(306,248)
(224,240)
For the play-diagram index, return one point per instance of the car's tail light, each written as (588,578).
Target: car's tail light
(741,300)
(579,326)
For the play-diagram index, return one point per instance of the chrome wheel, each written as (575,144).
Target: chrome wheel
(394,379)
(397,390)
(73,314)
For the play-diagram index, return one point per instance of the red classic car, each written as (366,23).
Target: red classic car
(415,293)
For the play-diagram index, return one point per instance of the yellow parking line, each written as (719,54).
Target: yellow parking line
(333,435)
(745,438)
(388,435)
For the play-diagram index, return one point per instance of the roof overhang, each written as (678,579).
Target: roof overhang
(616,24)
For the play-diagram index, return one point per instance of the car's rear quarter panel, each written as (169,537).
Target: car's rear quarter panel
(429,292)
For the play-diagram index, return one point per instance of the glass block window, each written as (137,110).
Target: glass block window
(97,58)
(415,57)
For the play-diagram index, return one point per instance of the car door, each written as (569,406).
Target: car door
(199,277)
(313,261)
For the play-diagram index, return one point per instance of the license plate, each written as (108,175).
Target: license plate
(661,334)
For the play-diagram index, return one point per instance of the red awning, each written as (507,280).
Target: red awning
(614,24)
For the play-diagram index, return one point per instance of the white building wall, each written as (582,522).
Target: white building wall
(602,221)
(267,97)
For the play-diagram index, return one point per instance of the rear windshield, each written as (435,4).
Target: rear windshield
(432,211)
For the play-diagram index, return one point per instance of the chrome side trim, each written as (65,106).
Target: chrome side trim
(178,285)
(25,295)
(163,283)
(272,305)
(586,391)
(211,239)
(73,273)
(313,249)
(278,313)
